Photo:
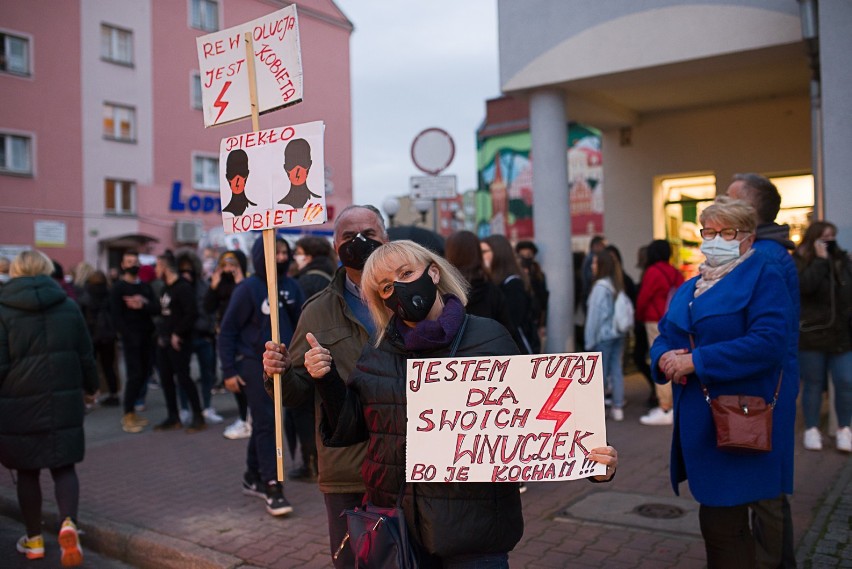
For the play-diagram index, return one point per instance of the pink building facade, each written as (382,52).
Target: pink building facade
(102,143)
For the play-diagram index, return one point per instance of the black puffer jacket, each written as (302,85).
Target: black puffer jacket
(46,364)
(448,519)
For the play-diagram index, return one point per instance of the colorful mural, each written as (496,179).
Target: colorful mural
(504,199)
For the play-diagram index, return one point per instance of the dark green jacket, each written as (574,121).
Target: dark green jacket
(330,319)
(46,364)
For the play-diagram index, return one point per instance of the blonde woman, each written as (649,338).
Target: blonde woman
(46,370)
(416,299)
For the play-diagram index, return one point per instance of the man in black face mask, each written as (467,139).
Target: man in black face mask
(133,304)
(341,322)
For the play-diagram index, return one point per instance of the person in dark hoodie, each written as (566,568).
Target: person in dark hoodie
(244,330)
(47,372)
(95,304)
(230,271)
(178,311)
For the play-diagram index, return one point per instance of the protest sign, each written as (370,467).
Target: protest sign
(273,178)
(504,418)
(222,61)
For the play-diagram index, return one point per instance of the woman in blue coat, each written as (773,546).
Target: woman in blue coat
(735,313)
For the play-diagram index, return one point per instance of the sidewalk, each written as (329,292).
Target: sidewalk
(173,500)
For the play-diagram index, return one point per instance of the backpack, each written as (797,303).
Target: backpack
(623,317)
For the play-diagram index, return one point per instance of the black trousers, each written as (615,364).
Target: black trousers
(748,535)
(334,504)
(173,363)
(138,351)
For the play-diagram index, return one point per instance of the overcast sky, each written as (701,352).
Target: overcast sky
(417,65)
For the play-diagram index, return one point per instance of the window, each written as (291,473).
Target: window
(14,54)
(120,197)
(16,154)
(195,89)
(116,45)
(205,173)
(205,15)
(119,122)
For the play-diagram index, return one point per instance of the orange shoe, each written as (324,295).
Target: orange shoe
(69,541)
(32,547)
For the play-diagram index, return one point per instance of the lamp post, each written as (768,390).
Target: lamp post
(423,206)
(391,207)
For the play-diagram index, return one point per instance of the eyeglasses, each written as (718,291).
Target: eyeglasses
(728,234)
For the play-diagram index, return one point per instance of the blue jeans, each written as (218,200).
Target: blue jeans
(486,561)
(813,369)
(612,352)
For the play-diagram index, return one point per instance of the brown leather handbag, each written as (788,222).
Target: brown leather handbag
(743,422)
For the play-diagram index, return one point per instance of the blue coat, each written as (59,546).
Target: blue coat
(740,328)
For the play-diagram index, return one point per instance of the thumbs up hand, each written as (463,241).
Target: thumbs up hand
(317,359)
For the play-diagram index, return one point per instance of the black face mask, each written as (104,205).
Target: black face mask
(354,253)
(227,278)
(526,263)
(132,271)
(413,301)
(281,268)
(831,246)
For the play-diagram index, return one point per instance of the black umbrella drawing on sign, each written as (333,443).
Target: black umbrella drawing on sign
(420,235)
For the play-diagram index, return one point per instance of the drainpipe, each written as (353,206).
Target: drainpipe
(808,13)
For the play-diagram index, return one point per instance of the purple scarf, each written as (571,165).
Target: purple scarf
(429,335)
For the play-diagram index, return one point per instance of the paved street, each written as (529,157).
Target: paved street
(173,500)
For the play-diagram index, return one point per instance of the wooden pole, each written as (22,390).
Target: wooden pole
(271,271)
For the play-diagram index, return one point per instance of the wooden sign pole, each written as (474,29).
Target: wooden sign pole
(271,271)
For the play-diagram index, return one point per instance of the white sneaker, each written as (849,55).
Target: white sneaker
(211,416)
(657,416)
(185,416)
(239,429)
(617,414)
(813,440)
(844,439)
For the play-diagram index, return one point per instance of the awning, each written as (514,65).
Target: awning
(128,240)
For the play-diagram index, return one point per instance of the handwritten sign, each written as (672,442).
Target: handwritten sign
(273,178)
(224,73)
(504,419)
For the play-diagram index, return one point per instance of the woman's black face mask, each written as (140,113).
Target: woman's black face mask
(354,253)
(412,301)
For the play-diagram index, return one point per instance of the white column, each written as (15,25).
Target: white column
(551,215)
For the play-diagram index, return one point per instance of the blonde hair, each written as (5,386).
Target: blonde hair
(388,258)
(82,271)
(30,264)
(738,214)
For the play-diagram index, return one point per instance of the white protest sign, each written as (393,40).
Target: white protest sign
(224,73)
(273,178)
(504,418)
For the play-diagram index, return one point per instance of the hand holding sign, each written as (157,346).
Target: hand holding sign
(276,359)
(317,359)
(605,455)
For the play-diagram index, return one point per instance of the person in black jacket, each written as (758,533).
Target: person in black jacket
(416,299)
(133,305)
(94,301)
(47,373)
(179,311)
(313,258)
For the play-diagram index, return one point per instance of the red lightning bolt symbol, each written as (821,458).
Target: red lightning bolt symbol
(220,104)
(548,412)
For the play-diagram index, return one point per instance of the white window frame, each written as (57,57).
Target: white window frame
(25,68)
(205,172)
(8,140)
(116,44)
(200,13)
(115,112)
(121,208)
(195,101)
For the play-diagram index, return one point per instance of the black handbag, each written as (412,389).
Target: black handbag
(378,537)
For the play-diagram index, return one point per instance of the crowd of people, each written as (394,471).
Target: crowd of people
(762,312)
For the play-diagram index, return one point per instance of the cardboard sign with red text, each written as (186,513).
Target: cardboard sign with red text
(504,418)
(225,93)
(273,178)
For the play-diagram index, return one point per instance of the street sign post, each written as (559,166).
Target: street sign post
(433,187)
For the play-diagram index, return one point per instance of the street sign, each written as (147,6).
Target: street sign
(433,187)
(432,151)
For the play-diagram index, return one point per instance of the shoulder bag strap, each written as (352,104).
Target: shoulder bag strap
(457,340)
(707,393)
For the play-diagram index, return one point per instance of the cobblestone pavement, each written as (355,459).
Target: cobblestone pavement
(173,500)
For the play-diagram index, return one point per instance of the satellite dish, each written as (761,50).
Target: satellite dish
(432,151)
